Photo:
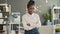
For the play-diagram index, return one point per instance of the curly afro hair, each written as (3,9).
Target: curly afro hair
(31,2)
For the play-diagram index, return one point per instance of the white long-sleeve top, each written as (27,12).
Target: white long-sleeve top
(33,20)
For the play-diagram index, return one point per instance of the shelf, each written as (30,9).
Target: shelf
(1,31)
(3,24)
(3,18)
(4,12)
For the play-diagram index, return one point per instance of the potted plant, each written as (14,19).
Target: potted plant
(57,30)
(47,16)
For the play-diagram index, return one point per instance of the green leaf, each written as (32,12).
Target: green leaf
(57,29)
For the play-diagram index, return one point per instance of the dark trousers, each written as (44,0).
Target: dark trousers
(33,31)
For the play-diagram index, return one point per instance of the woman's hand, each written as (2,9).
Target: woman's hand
(28,24)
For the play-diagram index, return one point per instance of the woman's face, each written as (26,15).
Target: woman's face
(31,9)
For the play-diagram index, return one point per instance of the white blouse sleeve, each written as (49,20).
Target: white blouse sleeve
(24,23)
(38,21)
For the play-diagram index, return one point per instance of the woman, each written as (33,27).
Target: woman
(31,20)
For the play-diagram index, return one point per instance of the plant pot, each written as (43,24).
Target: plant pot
(57,33)
(48,23)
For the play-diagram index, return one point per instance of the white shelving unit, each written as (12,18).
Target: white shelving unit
(5,9)
(55,17)
(15,20)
